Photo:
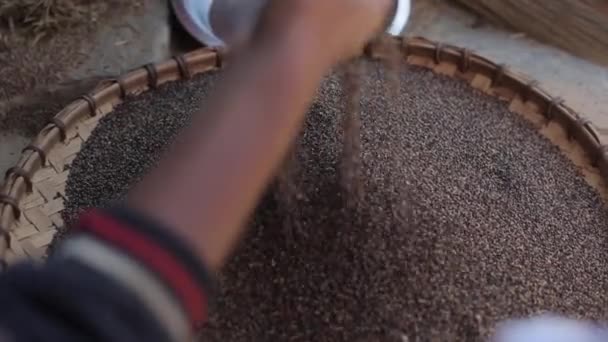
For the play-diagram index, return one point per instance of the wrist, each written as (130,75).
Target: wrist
(300,46)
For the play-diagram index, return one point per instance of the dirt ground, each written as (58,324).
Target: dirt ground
(144,36)
(34,86)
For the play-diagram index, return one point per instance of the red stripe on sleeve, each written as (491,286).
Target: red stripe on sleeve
(156,258)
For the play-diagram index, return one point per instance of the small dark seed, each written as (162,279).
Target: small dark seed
(467,216)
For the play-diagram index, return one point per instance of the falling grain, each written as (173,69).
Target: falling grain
(467,216)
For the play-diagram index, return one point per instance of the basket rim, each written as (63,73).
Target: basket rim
(523,94)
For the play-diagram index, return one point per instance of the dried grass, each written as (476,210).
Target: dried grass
(38,19)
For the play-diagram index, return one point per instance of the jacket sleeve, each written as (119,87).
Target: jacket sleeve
(119,277)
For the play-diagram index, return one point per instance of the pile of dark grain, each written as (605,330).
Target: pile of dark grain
(466,216)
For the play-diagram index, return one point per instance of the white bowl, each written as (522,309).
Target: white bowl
(194,15)
(402,14)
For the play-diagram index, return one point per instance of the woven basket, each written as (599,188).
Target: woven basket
(32,197)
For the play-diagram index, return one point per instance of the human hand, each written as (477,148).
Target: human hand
(334,29)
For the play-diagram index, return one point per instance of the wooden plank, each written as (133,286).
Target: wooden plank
(580,27)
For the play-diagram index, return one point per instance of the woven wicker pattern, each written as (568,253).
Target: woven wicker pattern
(32,197)
(41,207)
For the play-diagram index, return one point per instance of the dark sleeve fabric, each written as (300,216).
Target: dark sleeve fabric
(120,277)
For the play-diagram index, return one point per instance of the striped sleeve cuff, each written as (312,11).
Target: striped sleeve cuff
(147,259)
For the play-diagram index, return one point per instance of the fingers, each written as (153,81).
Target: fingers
(337,29)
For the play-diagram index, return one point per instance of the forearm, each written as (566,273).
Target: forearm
(209,184)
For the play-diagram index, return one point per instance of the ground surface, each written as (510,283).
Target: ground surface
(135,39)
(144,37)
(582,84)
